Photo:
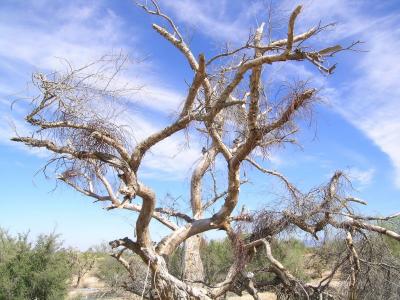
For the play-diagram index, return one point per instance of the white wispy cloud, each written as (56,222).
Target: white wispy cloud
(375,94)
(361,177)
(171,159)
(28,38)
(223,21)
(79,33)
(10,126)
(369,97)
(36,35)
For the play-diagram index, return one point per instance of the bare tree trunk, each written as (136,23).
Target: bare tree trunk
(193,270)
(95,156)
(165,286)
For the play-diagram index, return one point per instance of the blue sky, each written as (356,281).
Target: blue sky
(356,128)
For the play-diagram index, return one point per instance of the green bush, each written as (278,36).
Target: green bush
(292,254)
(38,270)
(111,272)
(218,256)
(116,278)
(392,244)
(175,263)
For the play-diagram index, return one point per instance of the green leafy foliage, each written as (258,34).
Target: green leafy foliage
(392,244)
(116,278)
(38,270)
(111,272)
(218,256)
(175,263)
(292,253)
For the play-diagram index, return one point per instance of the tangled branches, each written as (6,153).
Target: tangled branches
(77,119)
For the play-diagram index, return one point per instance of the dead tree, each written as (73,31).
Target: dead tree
(225,102)
(82,263)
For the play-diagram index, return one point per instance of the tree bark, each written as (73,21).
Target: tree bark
(166,287)
(193,270)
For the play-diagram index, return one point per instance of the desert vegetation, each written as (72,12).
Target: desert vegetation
(33,270)
(44,269)
(313,244)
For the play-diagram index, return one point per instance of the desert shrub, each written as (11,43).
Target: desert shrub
(217,258)
(38,270)
(380,265)
(116,278)
(292,253)
(393,245)
(111,272)
(82,263)
(175,263)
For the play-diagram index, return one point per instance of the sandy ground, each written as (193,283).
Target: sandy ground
(92,294)
(92,288)
(263,296)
